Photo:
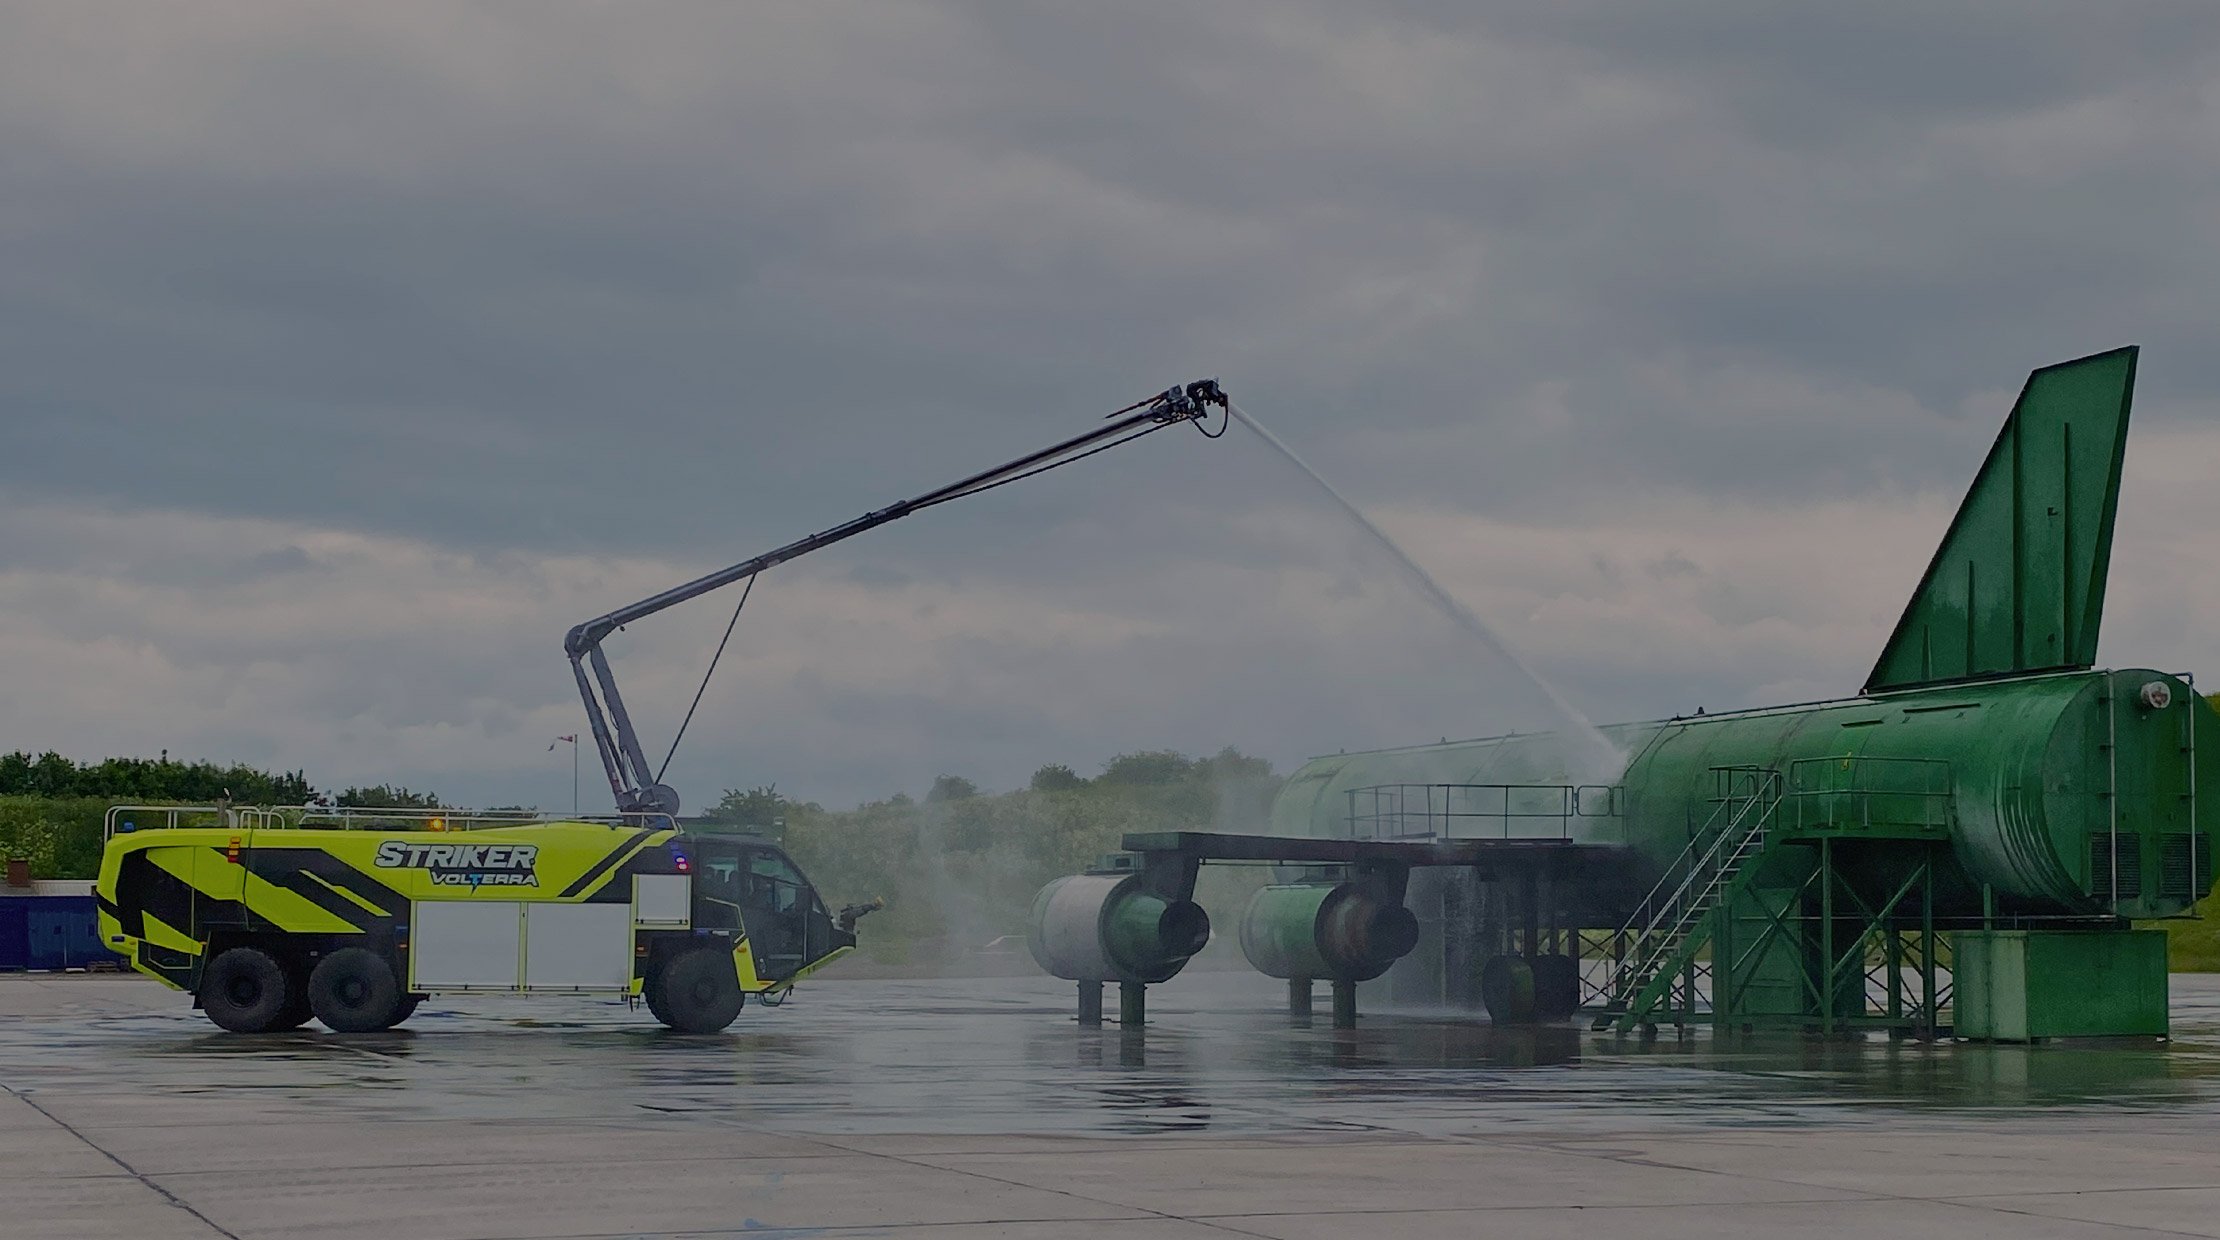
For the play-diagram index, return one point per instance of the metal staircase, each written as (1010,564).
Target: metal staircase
(1673,922)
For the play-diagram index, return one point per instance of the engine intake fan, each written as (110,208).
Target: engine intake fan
(1350,932)
(1113,928)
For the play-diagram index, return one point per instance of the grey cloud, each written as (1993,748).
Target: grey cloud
(285,559)
(679,284)
(877,575)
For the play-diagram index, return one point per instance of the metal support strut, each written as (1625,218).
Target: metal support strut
(1132,1004)
(637,786)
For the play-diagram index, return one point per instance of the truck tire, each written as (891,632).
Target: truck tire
(406,1010)
(696,992)
(353,990)
(244,990)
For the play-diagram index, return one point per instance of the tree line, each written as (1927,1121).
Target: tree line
(168,780)
(164,779)
(153,779)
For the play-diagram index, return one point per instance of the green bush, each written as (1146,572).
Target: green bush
(60,835)
(148,779)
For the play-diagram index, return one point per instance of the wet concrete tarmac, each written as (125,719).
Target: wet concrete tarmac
(978,1107)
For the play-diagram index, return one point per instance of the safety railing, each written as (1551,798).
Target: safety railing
(1476,811)
(166,817)
(128,818)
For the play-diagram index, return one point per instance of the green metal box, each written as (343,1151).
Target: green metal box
(2018,985)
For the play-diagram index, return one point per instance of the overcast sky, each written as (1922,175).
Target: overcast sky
(351,353)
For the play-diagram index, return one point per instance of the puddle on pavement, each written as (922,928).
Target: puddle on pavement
(1005,1055)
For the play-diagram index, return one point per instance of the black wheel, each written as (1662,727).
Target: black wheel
(1556,988)
(1507,988)
(651,991)
(407,1008)
(697,992)
(243,990)
(353,991)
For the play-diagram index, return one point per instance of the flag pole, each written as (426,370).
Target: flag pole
(571,741)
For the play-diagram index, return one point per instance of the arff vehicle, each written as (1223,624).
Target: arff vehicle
(270,917)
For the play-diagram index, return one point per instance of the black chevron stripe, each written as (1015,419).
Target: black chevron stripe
(299,870)
(601,867)
(325,897)
(272,862)
(144,888)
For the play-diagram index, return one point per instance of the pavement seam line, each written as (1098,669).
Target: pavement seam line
(2079,1192)
(2066,1218)
(128,1169)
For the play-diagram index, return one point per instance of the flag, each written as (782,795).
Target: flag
(573,739)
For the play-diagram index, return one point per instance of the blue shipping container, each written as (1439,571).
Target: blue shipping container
(15,933)
(50,933)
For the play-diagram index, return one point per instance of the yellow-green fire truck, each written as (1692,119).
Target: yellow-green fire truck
(268,918)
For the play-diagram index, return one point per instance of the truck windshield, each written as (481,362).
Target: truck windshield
(781,884)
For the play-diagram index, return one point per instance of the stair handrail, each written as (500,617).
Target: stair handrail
(1766,789)
(1754,808)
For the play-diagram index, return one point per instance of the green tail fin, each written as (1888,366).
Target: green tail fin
(2018,583)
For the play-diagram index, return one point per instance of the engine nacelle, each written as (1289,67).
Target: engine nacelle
(1348,933)
(1112,928)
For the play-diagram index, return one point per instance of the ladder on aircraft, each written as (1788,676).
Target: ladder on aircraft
(1673,922)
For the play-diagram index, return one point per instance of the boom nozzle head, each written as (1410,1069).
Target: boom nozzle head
(854,913)
(1186,404)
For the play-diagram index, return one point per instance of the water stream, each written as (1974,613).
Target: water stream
(1597,759)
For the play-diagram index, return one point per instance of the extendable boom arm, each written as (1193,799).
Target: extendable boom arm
(631,779)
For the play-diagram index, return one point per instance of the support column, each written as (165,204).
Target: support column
(1827,935)
(1930,1017)
(1345,1005)
(1545,890)
(1686,1023)
(1090,1005)
(1298,998)
(1895,939)
(1531,915)
(1132,1004)
(1722,965)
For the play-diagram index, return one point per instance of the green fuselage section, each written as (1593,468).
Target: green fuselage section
(2066,795)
